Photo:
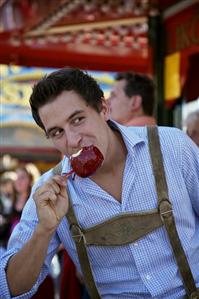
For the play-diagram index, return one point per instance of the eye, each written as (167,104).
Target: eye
(56,133)
(77,120)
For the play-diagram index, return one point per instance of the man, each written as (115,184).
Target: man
(192,123)
(132,100)
(69,106)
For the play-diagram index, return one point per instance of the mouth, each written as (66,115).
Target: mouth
(77,153)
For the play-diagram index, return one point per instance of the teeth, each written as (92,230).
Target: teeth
(77,154)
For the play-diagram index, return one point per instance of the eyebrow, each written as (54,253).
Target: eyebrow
(68,119)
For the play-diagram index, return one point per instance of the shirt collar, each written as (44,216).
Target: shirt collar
(130,136)
(66,167)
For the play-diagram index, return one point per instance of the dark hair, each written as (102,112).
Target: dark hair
(52,85)
(138,84)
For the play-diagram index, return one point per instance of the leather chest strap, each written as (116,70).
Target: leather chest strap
(122,229)
(166,212)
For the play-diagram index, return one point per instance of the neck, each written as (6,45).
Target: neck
(141,120)
(116,152)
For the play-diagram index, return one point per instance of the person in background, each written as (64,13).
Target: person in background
(132,100)
(7,201)
(192,126)
(70,107)
(23,185)
(26,175)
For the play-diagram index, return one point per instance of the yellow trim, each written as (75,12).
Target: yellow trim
(87,26)
(25,77)
(172,87)
(21,124)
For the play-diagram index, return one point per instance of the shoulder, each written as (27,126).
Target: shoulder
(171,135)
(170,131)
(166,134)
(175,138)
(172,140)
(178,146)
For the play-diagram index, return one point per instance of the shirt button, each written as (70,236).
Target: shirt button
(135,244)
(148,277)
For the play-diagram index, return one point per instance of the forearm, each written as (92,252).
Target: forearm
(24,267)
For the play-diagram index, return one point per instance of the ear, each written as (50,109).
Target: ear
(105,110)
(136,102)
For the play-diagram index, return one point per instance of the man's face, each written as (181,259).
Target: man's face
(119,103)
(71,123)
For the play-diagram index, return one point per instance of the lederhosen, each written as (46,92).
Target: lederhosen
(128,227)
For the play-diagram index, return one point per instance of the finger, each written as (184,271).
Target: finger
(45,196)
(51,184)
(62,181)
(57,184)
(54,186)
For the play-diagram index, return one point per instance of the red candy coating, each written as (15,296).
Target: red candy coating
(87,162)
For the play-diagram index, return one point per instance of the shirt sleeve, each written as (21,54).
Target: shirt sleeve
(190,167)
(20,235)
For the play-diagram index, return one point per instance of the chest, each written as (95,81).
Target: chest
(112,183)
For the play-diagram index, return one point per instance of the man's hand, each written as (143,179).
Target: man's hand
(52,202)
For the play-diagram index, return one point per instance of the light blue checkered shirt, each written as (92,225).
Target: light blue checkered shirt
(146,268)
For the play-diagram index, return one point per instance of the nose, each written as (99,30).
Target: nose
(73,141)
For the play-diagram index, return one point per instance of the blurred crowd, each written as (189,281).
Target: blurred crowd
(15,188)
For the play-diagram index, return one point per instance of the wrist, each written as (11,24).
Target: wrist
(43,231)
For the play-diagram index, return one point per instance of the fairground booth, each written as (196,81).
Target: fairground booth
(156,37)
